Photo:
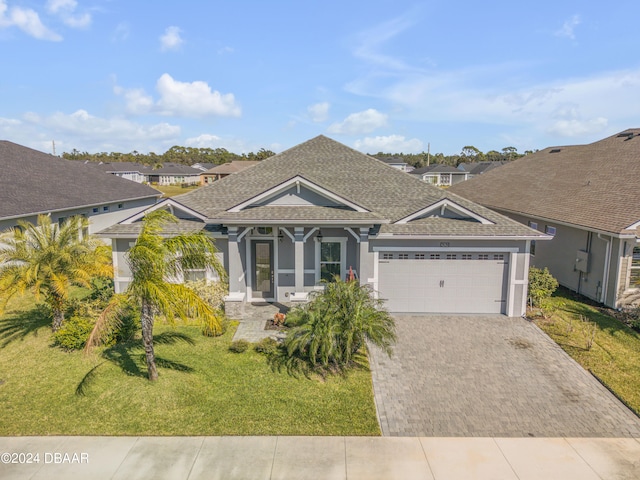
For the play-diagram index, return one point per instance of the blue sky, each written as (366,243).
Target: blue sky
(393,76)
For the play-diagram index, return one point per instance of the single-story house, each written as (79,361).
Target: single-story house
(587,197)
(322,209)
(166,174)
(33,183)
(440,175)
(226,169)
(473,169)
(397,163)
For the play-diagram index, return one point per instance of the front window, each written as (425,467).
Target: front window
(195,274)
(634,281)
(445,179)
(330,260)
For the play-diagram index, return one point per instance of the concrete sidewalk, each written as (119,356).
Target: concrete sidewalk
(370,458)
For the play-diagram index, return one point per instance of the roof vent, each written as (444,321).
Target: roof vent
(555,150)
(625,134)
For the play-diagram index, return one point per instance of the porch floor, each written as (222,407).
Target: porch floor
(254,318)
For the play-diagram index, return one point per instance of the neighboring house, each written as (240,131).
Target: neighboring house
(440,175)
(397,163)
(203,167)
(129,170)
(474,169)
(32,183)
(322,209)
(167,174)
(588,198)
(226,169)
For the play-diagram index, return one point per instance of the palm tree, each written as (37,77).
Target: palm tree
(154,260)
(48,259)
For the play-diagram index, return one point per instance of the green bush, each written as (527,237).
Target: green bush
(74,333)
(541,285)
(267,346)
(335,324)
(239,346)
(213,294)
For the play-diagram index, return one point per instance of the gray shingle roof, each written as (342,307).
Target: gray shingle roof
(34,182)
(385,192)
(437,168)
(232,167)
(594,186)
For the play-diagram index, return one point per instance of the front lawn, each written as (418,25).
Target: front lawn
(173,190)
(203,389)
(614,355)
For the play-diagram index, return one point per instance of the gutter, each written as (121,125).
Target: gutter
(605,275)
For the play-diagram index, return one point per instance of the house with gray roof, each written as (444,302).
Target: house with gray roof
(165,174)
(322,209)
(440,175)
(33,183)
(225,169)
(587,197)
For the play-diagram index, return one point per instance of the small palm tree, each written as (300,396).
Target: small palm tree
(154,260)
(48,259)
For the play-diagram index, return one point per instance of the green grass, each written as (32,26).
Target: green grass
(614,356)
(203,389)
(173,190)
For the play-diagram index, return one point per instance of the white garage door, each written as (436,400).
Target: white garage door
(443,283)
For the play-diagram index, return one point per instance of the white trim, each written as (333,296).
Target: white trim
(297,180)
(391,236)
(444,204)
(306,237)
(292,237)
(356,236)
(633,226)
(240,236)
(343,255)
(374,281)
(511,287)
(161,204)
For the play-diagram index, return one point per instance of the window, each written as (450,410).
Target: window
(634,278)
(549,230)
(445,179)
(419,256)
(467,256)
(330,260)
(120,206)
(498,256)
(387,256)
(451,256)
(95,210)
(532,250)
(403,256)
(193,275)
(61,220)
(264,230)
(483,256)
(533,225)
(434,256)
(105,208)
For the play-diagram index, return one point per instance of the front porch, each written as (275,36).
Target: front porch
(253,318)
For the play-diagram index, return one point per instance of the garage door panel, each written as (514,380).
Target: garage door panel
(443,286)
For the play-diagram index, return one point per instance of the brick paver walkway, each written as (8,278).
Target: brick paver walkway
(489,376)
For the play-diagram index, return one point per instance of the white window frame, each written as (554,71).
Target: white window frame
(634,268)
(343,256)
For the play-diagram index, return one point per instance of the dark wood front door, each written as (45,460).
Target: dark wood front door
(262,252)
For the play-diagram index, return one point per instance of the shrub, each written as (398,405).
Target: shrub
(74,333)
(213,294)
(335,324)
(239,346)
(267,346)
(541,285)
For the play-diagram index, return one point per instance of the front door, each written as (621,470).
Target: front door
(262,252)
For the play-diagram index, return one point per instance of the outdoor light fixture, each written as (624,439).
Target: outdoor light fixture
(280,235)
(319,236)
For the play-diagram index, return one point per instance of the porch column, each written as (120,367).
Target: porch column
(299,260)
(367,258)
(235,263)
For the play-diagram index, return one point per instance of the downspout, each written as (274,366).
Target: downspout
(607,261)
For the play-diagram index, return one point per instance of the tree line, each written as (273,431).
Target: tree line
(193,155)
(176,154)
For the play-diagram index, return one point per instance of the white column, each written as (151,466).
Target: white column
(235,263)
(367,258)
(299,259)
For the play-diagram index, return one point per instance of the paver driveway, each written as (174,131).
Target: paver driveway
(490,376)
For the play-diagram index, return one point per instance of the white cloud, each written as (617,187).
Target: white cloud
(27,20)
(194,99)
(121,33)
(180,99)
(171,39)
(361,122)
(390,143)
(568,27)
(65,9)
(84,131)
(318,112)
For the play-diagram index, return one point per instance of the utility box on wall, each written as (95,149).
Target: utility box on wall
(582,261)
